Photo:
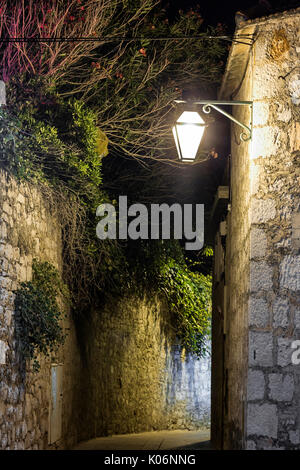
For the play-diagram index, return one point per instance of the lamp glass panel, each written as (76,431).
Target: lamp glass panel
(190,128)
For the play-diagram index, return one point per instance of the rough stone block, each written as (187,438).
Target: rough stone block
(295,137)
(266,141)
(5,283)
(296,239)
(281,387)
(290,273)
(8,251)
(255,171)
(265,81)
(250,445)
(3,231)
(3,349)
(262,210)
(258,312)
(284,351)
(262,420)
(2,93)
(294,437)
(297,318)
(260,276)
(284,112)
(294,87)
(7,208)
(21,198)
(260,348)
(280,312)
(258,243)
(260,113)
(256,385)
(4,441)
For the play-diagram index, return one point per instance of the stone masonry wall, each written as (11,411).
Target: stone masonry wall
(122,368)
(273,416)
(136,378)
(237,280)
(28,230)
(262,270)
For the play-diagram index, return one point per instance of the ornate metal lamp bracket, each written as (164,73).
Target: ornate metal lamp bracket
(208,105)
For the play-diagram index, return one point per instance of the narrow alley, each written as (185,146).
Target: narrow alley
(155,440)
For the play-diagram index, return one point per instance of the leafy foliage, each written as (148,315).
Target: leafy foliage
(189,299)
(69,104)
(131,85)
(162,266)
(38,314)
(60,145)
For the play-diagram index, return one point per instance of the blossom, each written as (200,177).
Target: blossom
(95,65)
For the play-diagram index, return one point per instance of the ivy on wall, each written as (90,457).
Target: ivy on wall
(37,313)
(60,149)
(64,105)
(161,266)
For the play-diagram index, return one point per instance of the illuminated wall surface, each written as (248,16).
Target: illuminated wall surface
(119,371)
(105,387)
(136,378)
(27,230)
(261,260)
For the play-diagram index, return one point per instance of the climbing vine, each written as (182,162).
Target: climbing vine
(189,300)
(69,105)
(163,266)
(38,315)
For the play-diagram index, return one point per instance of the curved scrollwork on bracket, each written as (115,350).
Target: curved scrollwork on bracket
(208,105)
(206,108)
(244,136)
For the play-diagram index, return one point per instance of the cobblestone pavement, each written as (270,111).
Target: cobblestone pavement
(155,440)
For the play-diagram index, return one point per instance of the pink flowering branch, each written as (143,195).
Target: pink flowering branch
(59,19)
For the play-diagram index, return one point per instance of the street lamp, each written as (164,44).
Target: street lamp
(189,127)
(188,132)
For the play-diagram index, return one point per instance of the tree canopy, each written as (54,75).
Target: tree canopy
(97,80)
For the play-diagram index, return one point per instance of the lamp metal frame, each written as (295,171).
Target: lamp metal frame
(208,105)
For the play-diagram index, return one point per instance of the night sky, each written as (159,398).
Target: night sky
(198,183)
(215,12)
(206,177)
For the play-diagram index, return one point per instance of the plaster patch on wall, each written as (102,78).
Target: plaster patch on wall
(279,45)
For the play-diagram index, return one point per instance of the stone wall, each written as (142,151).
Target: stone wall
(262,248)
(136,378)
(273,381)
(28,230)
(122,368)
